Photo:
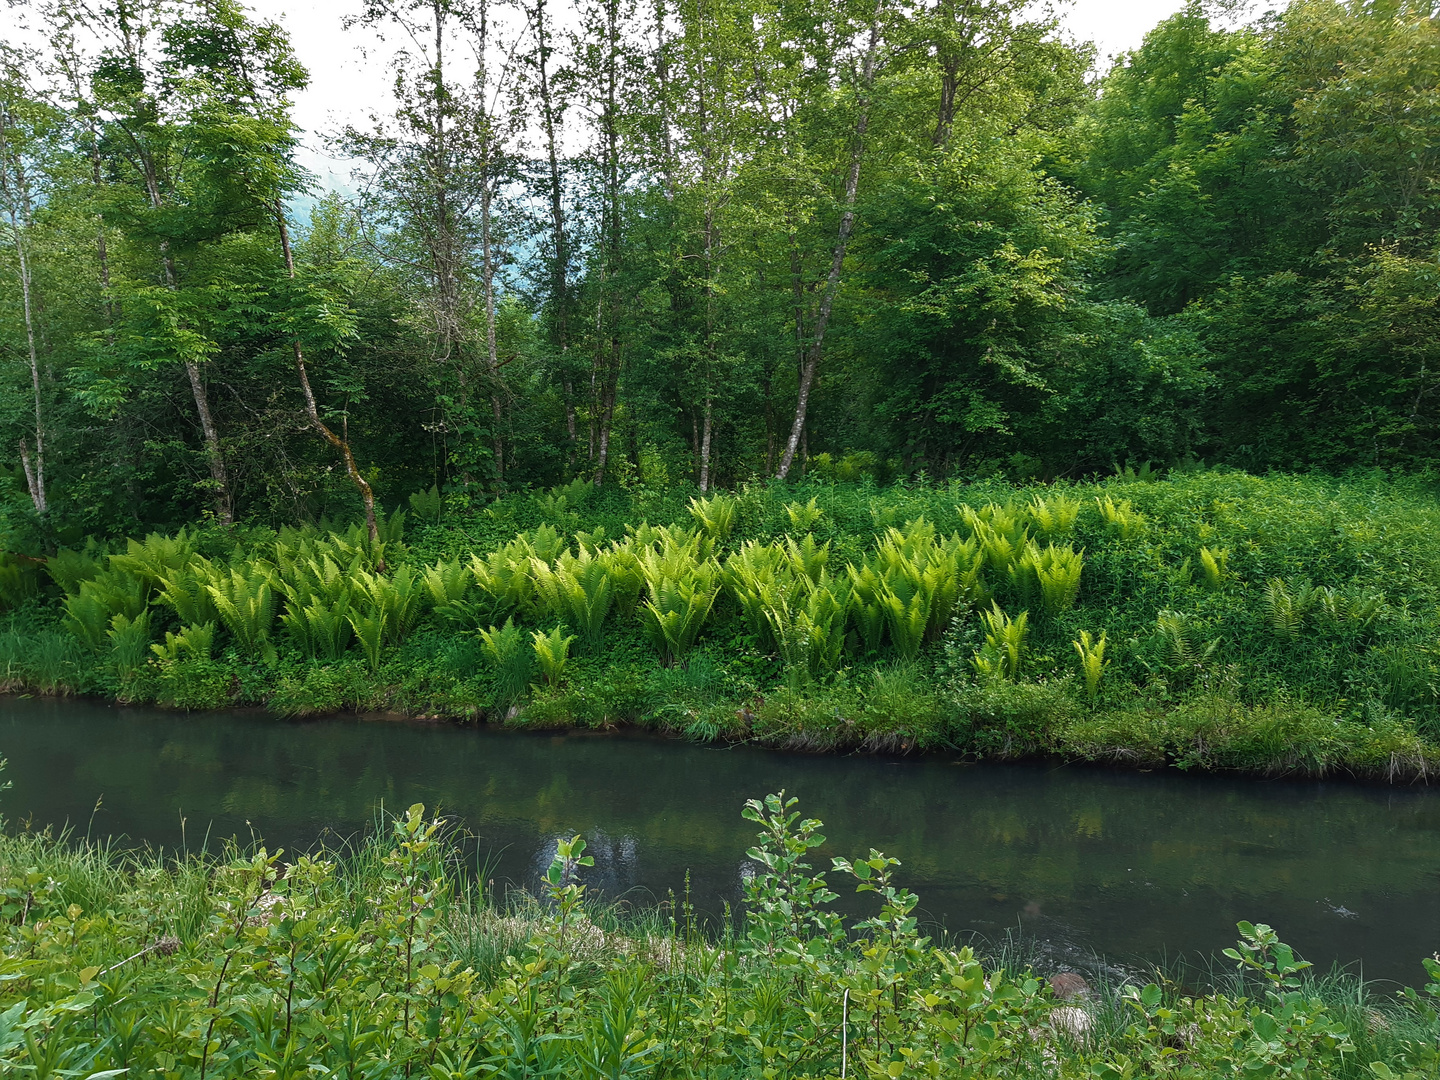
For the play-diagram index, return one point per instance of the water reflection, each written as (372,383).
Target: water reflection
(1125,864)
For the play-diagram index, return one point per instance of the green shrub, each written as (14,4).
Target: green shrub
(511,658)
(999,718)
(316,690)
(191,682)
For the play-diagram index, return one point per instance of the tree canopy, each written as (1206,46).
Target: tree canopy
(706,241)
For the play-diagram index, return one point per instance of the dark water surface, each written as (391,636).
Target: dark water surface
(1128,865)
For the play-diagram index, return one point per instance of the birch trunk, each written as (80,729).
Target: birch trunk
(706,428)
(17,203)
(837,261)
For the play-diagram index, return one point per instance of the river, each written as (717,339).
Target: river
(1082,861)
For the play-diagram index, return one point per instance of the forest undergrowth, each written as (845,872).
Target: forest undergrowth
(1206,620)
(386,960)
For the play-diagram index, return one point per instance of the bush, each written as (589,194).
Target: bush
(995,717)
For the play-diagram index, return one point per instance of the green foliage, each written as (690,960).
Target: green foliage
(394,603)
(510,661)
(552,651)
(1185,654)
(581,589)
(1122,521)
(1048,578)
(244,598)
(19,581)
(1316,606)
(1054,516)
(680,590)
(426,505)
(191,643)
(1003,654)
(715,516)
(804,517)
(382,961)
(129,643)
(1092,661)
(108,595)
(807,625)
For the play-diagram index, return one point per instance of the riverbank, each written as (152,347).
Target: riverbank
(1216,621)
(384,960)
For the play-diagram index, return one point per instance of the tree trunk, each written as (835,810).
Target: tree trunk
(17,202)
(614,358)
(559,286)
(492,356)
(568,386)
(102,252)
(36,479)
(607,417)
(214,456)
(706,428)
(367,495)
(832,282)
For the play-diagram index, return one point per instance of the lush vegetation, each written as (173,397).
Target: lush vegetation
(389,961)
(651,243)
(910,260)
(1208,620)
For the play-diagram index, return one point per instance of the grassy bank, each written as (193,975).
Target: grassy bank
(1205,620)
(384,962)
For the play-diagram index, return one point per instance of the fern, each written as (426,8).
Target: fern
(398,601)
(580,589)
(448,583)
(183,590)
(552,650)
(68,568)
(1048,577)
(680,594)
(716,516)
(427,504)
(1186,656)
(156,557)
(906,606)
(804,518)
(244,598)
(809,630)
(807,559)
(867,610)
(320,627)
(1215,567)
(510,660)
(1092,661)
(1121,520)
(1006,640)
(503,583)
(191,643)
(753,573)
(129,643)
(1055,516)
(369,627)
(1286,607)
(109,593)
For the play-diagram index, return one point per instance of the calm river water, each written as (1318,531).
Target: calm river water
(1084,860)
